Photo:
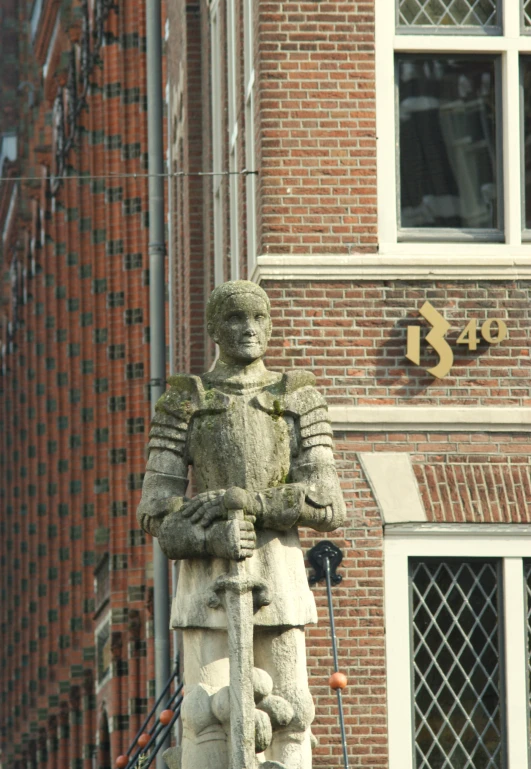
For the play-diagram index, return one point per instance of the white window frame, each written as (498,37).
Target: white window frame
(250,150)
(511,543)
(35,17)
(217,141)
(232,95)
(509,46)
(102,626)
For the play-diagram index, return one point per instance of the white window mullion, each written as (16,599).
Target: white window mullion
(398,657)
(386,128)
(515,663)
(250,155)
(512,17)
(512,156)
(233,140)
(460,44)
(217,150)
(512,177)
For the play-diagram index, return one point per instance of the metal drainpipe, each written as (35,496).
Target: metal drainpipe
(157,313)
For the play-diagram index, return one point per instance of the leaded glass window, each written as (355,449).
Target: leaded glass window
(527,578)
(456,664)
(447,13)
(451,147)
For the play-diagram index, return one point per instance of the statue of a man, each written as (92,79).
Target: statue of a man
(268,435)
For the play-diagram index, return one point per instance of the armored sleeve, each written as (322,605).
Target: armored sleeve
(312,497)
(313,464)
(166,477)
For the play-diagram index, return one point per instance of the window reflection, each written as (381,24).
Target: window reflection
(448,154)
(526,71)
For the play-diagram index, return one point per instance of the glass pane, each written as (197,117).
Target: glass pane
(456,665)
(447,13)
(448,155)
(526,73)
(527,577)
(527,12)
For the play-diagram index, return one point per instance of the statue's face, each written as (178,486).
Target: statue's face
(243,330)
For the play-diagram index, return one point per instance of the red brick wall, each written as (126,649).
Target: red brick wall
(71,462)
(353,337)
(317,116)
(316,157)
(358,612)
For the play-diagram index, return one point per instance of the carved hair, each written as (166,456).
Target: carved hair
(221,293)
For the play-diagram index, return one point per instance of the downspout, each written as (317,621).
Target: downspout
(172,320)
(156,314)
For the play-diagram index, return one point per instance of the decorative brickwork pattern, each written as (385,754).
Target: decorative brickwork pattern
(74,259)
(497,490)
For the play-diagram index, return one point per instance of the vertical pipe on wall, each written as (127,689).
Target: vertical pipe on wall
(172,318)
(157,312)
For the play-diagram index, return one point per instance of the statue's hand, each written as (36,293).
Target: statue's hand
(205,508)
(234,540)
(237,498)
(152,512)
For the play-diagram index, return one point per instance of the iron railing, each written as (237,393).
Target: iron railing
(142,752)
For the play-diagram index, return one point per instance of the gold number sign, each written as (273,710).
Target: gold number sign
(493,331)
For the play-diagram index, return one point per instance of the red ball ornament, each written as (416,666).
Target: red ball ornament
(122,761)
(337,680)
(143,740)
(165,717)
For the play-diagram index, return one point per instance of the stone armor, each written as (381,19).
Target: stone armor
(278,439)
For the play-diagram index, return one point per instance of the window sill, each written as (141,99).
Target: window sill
(404,261)
(427,235)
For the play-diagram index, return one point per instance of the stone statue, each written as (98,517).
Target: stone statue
(260,447)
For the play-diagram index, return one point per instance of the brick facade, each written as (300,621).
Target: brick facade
(317,127)
(75,403)
(74,337)
(354,336)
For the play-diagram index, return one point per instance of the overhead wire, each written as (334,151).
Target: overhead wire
(84,177)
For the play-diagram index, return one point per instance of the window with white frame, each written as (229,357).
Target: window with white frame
(453,94)
(219,147)
(216,70)
(250,155)
(458,637)
(232,93)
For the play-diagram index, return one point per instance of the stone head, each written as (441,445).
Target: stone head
(239,321)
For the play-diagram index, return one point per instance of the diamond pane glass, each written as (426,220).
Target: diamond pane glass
(527,13)
(527,576)
(447,136)
(448,13)
(456,665)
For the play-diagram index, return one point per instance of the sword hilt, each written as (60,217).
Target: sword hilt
(235,501)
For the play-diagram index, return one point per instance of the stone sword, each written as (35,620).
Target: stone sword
(237,589)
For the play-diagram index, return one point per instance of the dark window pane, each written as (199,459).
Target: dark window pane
(456,664)
(526,71)
(527,13)
(448,154)
(447,13)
